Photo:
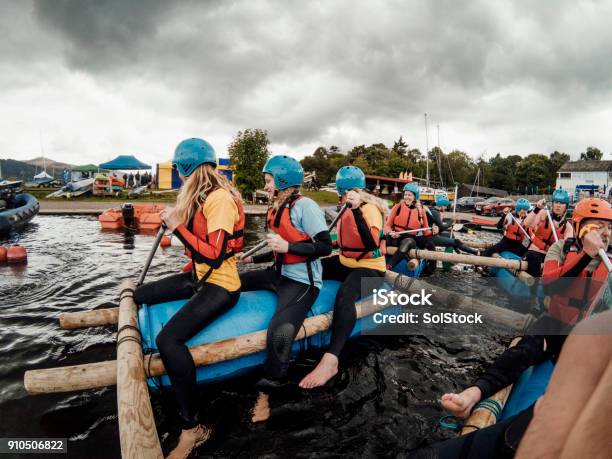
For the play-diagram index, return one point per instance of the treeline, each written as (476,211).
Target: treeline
(533,174)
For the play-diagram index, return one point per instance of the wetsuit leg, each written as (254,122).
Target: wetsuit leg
(261,279)
(534,262)
(294,301)
(205,306)
(497,441)
(426,243)
(176,287)
(506,245)
(344,306)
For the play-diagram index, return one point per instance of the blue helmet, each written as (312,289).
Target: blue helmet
(413,188)
(349,177)
(287,172)
(191,153)
(522,204)
(561,196)
(442,200)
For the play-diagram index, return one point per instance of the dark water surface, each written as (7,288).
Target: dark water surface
(379,405)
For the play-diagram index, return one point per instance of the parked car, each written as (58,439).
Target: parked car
(478,206)
(467,203)
(496,208)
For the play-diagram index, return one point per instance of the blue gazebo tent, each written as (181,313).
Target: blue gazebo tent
(125,163)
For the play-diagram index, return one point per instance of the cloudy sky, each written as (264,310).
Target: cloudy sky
(93,79)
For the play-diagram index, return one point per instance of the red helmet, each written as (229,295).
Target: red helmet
(591,208)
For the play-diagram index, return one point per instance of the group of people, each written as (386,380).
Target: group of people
(209,220)
(132,180)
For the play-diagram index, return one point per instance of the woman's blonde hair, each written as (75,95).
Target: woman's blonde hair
(204,180)
(380,204)
(283,195)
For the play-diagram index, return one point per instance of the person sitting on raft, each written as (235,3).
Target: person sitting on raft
(410,215)
(440,230)
(300,237)
(209,220)
(514,230)
(575,278)
(362,246)
(539,224)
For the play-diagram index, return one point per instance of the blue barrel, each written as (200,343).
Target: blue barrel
(511,284)
(252,313)
(530,386)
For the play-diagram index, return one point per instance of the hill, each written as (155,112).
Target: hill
(48,163)
(19,170)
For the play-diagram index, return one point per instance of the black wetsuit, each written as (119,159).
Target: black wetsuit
(294,301)
(443,239)
(505,244)
(502,439)
(204,305)
(349,292)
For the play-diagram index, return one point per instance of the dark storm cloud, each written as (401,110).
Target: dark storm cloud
(300,69)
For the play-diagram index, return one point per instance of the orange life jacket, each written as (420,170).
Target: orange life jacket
(409,218)
(580,297)
(542,236)
(279,221)
(235,241)
(513,231)
(354,244)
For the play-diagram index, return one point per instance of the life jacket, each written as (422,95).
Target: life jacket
(409,218)
(234,242)
(355,241)
(513,230)
(542,236)
(580,298)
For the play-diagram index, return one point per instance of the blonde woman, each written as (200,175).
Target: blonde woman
(208,219)
(362,255)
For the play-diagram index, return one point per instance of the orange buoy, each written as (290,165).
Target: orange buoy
(165,241)
(3,252)
(17,254)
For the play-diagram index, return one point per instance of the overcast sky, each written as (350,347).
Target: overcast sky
(94,79)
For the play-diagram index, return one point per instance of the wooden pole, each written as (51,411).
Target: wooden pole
(84,319)
(137,430)
(483,416)
(463,258)
(101,374)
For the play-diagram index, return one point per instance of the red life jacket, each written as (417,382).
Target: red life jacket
(354,244)
(542,236)
(235,241)
(409,218)
(513,231)
(580,297)
(279,221)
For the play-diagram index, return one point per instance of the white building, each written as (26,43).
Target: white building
(585,178)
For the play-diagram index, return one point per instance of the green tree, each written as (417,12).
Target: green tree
(248,153)
(533,173)
(400,147)
(591,153)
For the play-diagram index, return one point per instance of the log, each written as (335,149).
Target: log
(101,374)
(413,264)
(485,415)
(84,319)
(137,431)
(523,276)
(464,258)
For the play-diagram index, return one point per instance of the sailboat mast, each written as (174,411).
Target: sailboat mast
(426,150)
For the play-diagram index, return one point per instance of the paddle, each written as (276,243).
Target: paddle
(160,234)
(552,226)
(519,225)
(410,231)
(262,244)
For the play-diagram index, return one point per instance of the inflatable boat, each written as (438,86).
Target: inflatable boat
(16,209)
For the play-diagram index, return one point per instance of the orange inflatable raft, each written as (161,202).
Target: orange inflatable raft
(143,217)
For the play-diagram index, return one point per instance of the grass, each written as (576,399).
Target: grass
(322,197)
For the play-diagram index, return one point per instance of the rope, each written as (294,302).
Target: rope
(492,405)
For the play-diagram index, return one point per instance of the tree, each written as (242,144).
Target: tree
(248,153)
(533,173)
(400,147)
(591,153)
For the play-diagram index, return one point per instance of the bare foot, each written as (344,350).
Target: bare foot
(324,371)
(261,410)
(460,405)
(189,440)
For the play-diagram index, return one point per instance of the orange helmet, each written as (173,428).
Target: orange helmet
(591,208)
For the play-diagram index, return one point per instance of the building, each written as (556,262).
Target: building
(585,178)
